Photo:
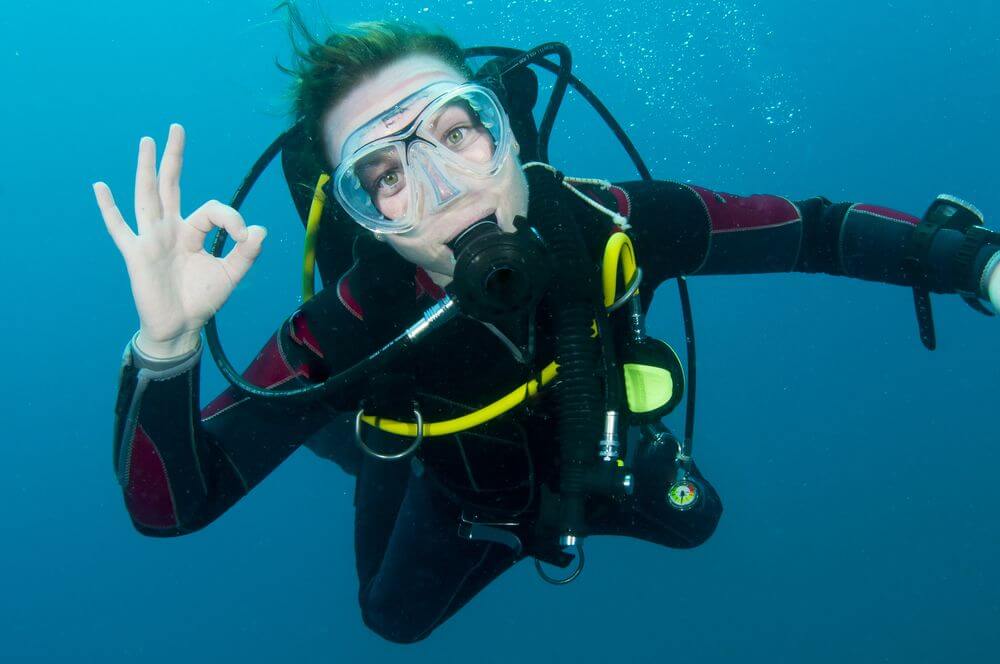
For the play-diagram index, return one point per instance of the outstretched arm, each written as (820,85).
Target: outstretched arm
(687,230)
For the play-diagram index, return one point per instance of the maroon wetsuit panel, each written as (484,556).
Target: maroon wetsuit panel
(181,467)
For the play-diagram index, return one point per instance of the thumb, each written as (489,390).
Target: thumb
(993,287)
(242,256)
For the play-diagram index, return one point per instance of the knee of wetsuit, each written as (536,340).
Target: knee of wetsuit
(387,619)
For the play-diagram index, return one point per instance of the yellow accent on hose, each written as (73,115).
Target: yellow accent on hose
(485,414)
(618,250)
(312,234)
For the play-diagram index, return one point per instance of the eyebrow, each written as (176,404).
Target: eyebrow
(372,161)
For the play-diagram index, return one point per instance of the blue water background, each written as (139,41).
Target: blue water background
(858,470)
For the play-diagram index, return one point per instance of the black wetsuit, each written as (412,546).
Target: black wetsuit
(180,470)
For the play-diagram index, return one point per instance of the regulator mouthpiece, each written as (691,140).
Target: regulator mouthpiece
(498,275)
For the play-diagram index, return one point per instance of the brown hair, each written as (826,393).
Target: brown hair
(324,72)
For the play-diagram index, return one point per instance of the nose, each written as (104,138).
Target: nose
(420,157)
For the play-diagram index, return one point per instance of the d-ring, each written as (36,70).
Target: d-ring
(388,457)
(576,572)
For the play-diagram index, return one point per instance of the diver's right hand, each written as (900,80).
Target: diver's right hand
(177,285)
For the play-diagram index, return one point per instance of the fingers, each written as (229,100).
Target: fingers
(241,257)
(147,200)
(214,214)
(170,172)
(248,239)
(117,226)
(993,287)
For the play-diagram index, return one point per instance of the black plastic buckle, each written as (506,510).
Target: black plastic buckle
(954,214)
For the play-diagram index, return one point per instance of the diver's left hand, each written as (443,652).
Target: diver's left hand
(993,287)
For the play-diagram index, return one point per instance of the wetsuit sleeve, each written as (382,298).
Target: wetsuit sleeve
(180,466)
(681,229)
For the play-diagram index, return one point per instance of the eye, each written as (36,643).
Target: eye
(388,181)
(455,136)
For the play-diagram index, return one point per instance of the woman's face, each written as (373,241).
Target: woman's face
(504,194)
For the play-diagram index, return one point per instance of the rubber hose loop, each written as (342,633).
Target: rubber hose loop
(629,292)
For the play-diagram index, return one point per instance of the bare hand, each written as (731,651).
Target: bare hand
(177,285)
(993,287)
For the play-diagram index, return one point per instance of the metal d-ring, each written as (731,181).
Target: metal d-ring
(388,457)
(561,582)
(629,292)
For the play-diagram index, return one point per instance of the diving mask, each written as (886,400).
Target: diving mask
(387,182)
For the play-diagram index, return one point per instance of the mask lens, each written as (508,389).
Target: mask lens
(373,185)
(466,126)
(460,133)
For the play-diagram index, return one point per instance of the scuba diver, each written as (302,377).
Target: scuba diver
(478,356)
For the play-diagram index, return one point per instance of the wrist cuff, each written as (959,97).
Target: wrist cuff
(142,361)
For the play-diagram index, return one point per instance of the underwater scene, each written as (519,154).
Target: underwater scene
(537,331)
